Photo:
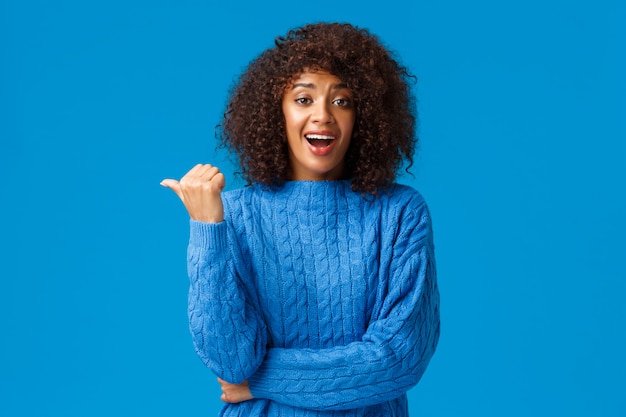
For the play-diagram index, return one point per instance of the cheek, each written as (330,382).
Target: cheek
(293,121)
(289,126)
(348,125)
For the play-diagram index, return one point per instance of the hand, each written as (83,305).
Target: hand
(199,190)
(234,393)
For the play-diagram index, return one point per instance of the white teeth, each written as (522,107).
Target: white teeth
(321,137)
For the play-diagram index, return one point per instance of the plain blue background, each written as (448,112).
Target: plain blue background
(522,160)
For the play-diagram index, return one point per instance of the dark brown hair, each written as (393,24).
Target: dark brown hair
(384,134)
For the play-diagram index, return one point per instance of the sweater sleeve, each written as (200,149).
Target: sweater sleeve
(228,333)
(391,356)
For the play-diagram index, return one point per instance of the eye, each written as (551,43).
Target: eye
(303,100)
(342,102)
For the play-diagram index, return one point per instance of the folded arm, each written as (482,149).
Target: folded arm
(391,357)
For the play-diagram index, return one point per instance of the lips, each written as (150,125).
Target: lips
(320,143)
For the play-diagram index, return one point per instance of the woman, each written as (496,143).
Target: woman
(313,289)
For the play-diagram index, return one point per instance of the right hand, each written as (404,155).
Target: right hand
(235,393)
(199,190)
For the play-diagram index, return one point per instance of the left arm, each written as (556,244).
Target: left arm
(393,353)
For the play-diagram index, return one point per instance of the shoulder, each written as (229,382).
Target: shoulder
(234,195)
(406,199)
(237,203)
(247,201)
(408,212)
(240,196)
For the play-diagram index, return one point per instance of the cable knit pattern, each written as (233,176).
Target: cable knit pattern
(324,300)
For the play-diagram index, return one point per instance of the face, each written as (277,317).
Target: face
(319,117)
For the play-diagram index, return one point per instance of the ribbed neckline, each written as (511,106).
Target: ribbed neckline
(309,184)
(320,196)
(308,187)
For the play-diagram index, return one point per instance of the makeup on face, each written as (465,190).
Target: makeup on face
(319,118)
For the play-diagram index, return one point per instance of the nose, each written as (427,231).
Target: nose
(322,113)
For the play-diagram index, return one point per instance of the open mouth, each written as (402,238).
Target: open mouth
(319,141)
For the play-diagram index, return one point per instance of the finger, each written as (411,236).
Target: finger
(174,186)
(207,173)
(200,170)
(198,167)
(199,174)
(218,182)
(206,176)
(194,172)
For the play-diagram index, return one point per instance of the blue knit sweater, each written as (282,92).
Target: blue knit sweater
(325,301)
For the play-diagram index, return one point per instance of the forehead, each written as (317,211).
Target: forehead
(316,79)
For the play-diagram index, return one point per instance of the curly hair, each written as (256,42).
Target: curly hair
(384,132)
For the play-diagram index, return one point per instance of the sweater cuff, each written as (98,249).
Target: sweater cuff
(207,236)
(259,388)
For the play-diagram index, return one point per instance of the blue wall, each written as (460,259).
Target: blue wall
(522,159)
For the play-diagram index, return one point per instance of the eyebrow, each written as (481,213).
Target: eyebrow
(312,86)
